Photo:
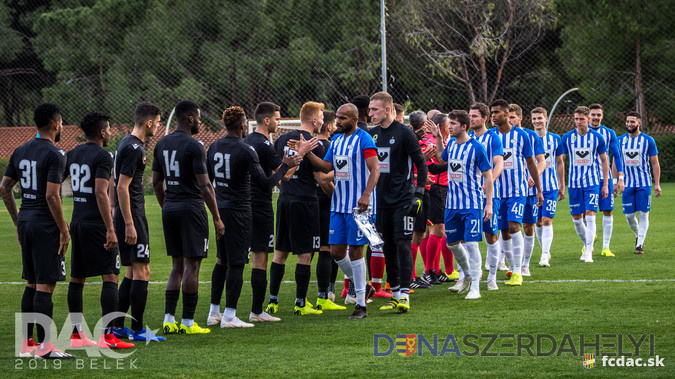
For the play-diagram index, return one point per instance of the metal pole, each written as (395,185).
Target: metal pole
(550,115)
(383,34)
(168,122)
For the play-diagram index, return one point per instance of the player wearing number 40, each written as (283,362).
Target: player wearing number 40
(584,146)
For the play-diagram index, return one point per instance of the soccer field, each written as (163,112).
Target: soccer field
(611,302)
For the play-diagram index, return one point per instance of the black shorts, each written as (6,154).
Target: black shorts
(140,252)
(394,224)
(437,198)
(235,245)
(262,235)
(421,219)
(40,243)
(88,256)
(186,231)
(298,226)
(324,219)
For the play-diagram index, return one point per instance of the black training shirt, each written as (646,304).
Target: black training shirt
(301,185)
(269,161)
(86,163)
(130,161)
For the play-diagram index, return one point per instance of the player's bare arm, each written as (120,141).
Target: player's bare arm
(560,165)
(497,166)
(209,196)
(125,207)
(656,170)
(101,186)
(374,168)
(605,172)
(488,180)
(532,168)
(53,197)
(325,181)
(158,186)
(436,132)
(7,187)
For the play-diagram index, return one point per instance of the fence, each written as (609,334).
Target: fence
(108,55)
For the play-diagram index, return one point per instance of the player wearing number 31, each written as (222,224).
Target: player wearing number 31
(584,146)
(464,213)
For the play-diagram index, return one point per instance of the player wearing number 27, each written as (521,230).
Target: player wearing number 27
(584,146)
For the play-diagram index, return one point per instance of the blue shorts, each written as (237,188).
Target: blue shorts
(531,210)
(511,209)
(491,226)
(636,199)
(344,231)
(584,199)
(463,225)
(550,204)
(607,204)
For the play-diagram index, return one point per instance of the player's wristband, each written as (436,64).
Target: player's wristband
(620,177)
(615,181)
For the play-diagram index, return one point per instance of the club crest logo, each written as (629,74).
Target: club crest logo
(406,344)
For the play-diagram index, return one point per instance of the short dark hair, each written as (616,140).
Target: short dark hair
(634,114)
(595,106)
(361,102)
(462,117)
(398,108)
(482,108)
(582,110)
(328,118)
(186,108)
(503,104)
(93,123)
(264,110)
(145,111)
(44,113)
(232,116)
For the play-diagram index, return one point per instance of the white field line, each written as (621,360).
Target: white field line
(525,281)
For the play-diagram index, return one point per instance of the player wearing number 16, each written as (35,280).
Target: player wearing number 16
(42,230)
(180,162)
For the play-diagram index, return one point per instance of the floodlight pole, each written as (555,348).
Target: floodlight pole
(383,36)
(168,122)
(550,115)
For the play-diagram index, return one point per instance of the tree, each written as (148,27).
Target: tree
(621,53)
(470,43)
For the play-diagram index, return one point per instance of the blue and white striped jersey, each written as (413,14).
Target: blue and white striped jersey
(351,171)
(635,154)
(466,162)
(537,148)
(552,144)
(493,146)
(517,147)
(583,152)
(611,146)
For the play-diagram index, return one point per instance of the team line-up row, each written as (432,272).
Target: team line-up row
(436,186)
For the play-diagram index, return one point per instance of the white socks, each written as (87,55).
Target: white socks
(632,223)
(546,239)
(517,239)
(537,232)
(493,260)
(215,308)
(229,313)
(169,318)
(346,266)
(359,272)
(580,228)
(507,250)
(642,227)
(187,323)
(528,245)
(607,226)
(590,233)
(475,262)
(461,257)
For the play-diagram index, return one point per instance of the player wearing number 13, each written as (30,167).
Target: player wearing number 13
(584,146)
(42,230)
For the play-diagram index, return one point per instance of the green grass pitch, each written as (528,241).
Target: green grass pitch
(625,295)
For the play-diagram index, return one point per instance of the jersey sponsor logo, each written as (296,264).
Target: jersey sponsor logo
(343,167)
(456,173)
(582,156)
(548,158)
(509,162)
(383,155)
(632,159)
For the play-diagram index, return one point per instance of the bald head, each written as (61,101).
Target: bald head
(432,113)
(346,118)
